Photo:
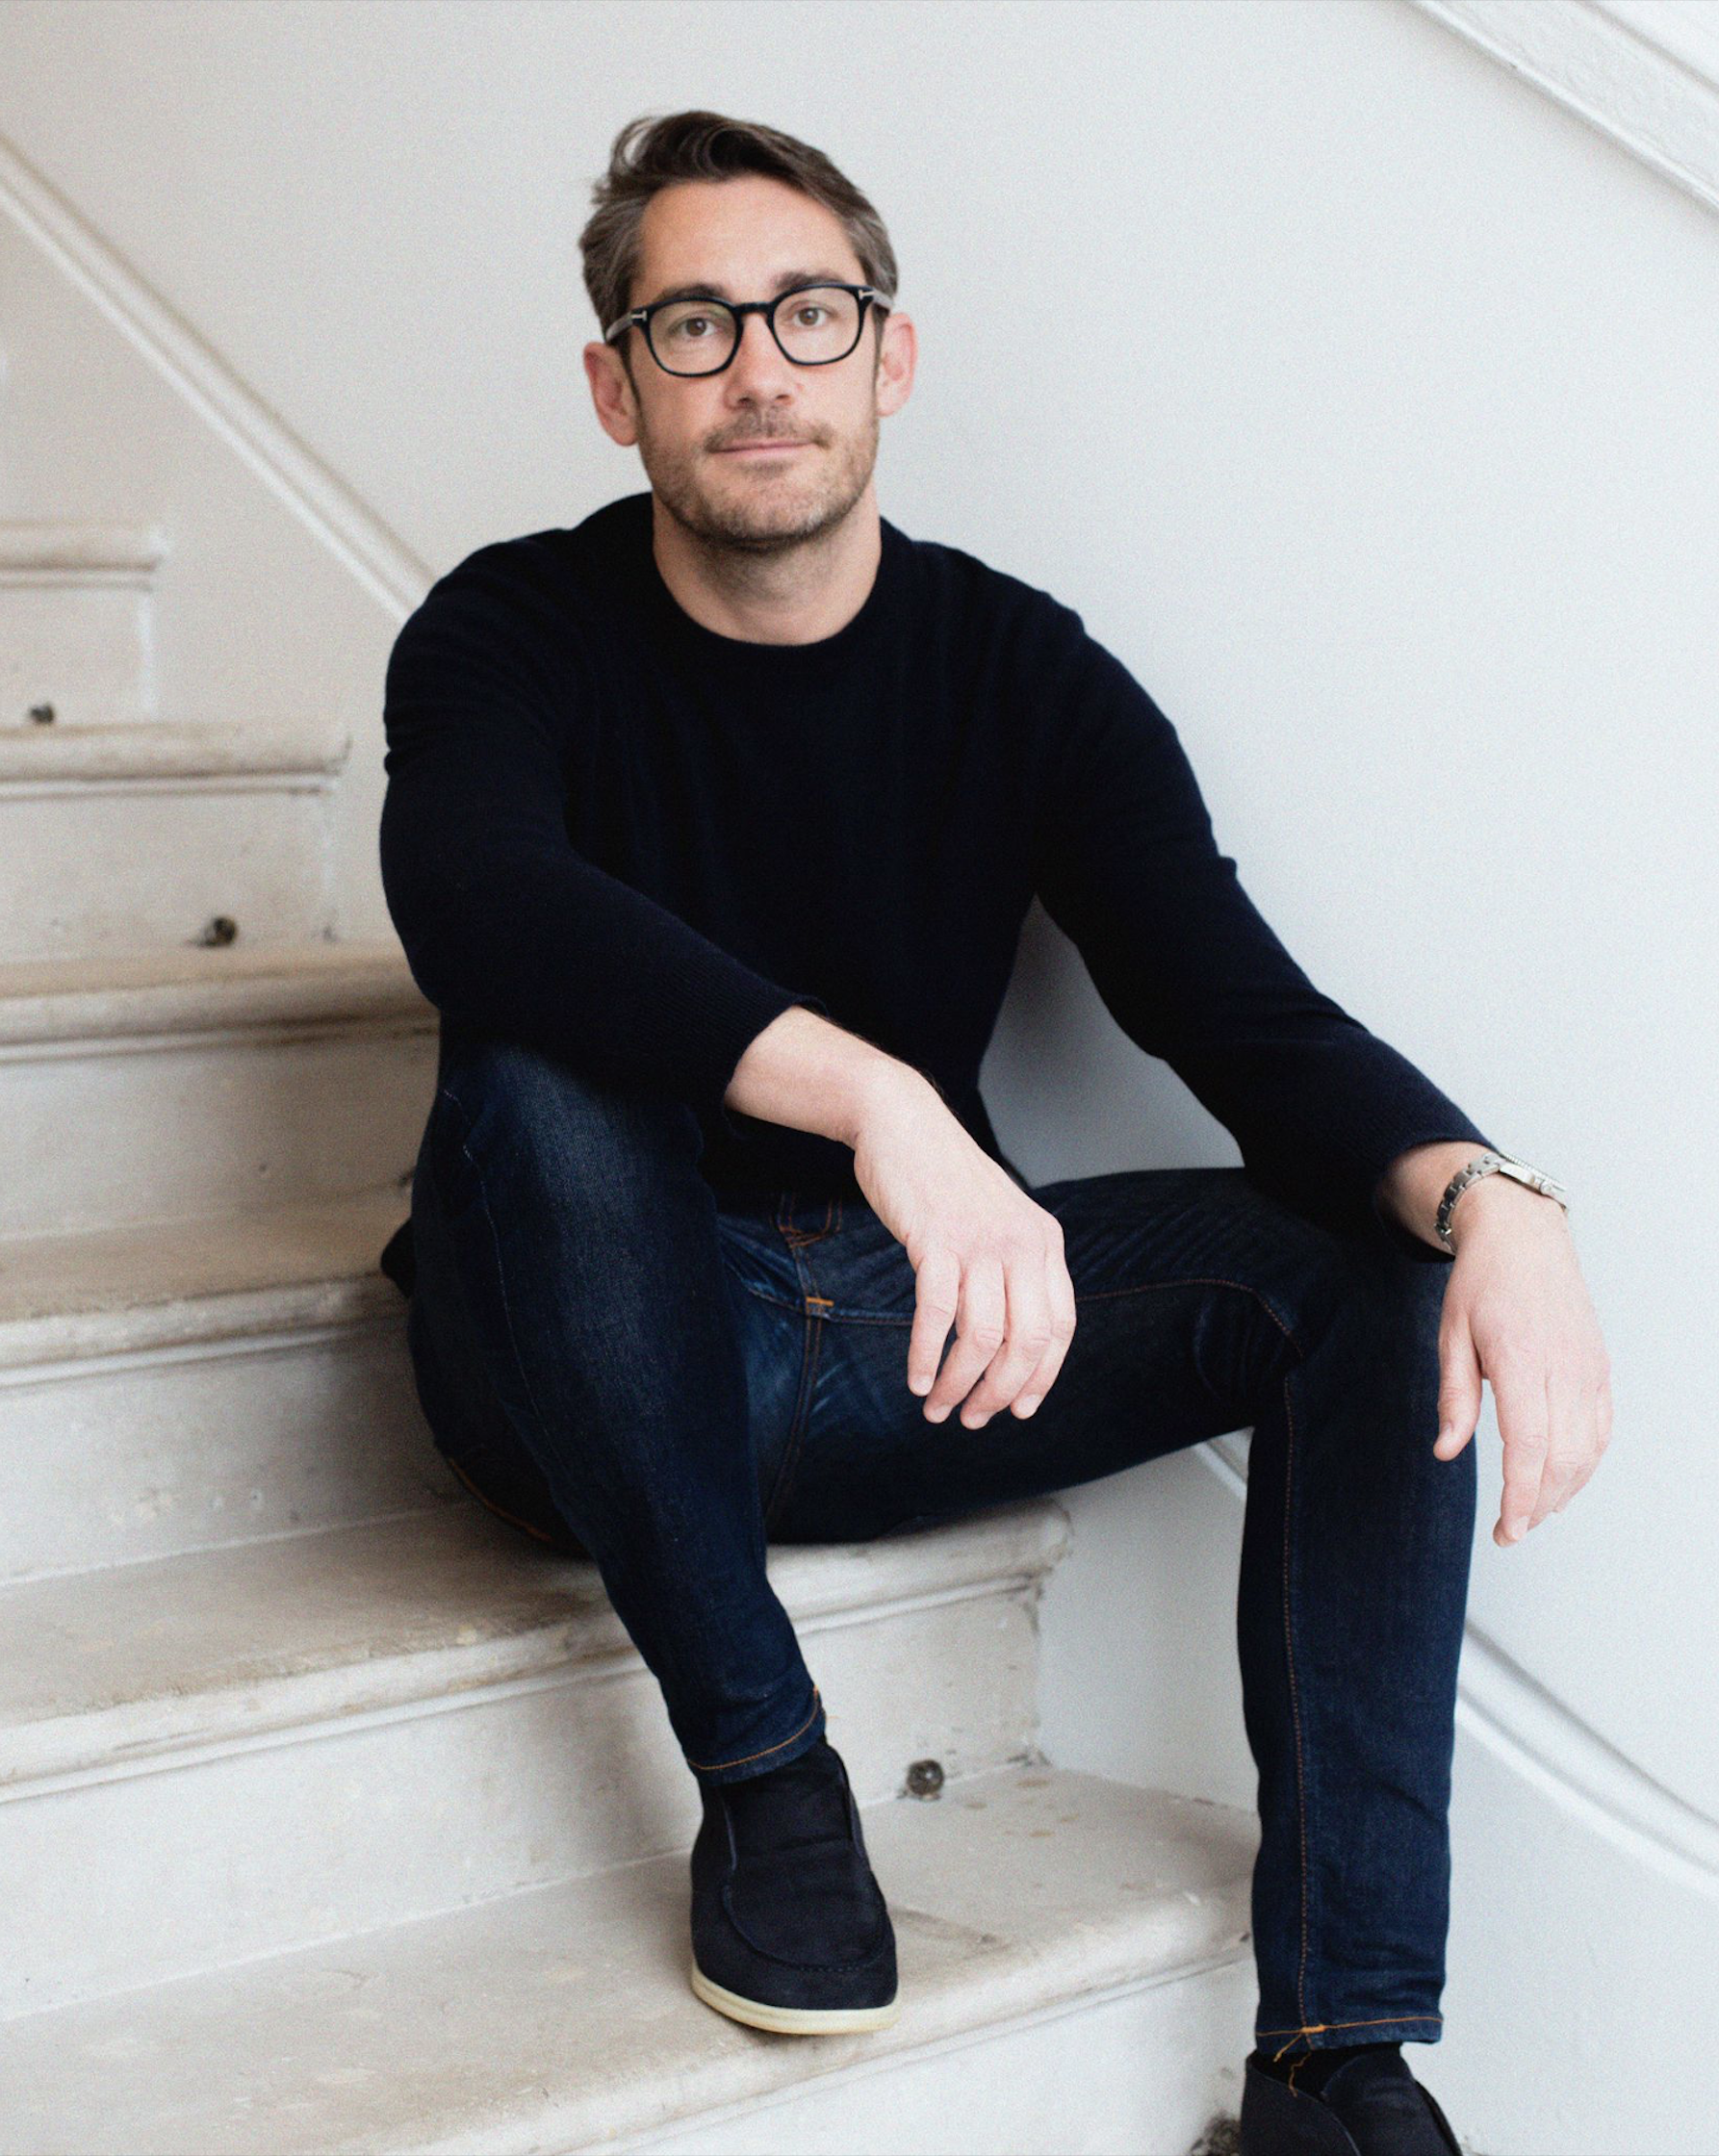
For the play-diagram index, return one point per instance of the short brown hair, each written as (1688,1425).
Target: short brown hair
(659,149)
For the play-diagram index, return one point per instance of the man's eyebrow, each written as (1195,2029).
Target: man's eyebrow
(787,282)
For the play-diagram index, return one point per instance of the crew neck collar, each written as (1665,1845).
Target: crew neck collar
(775,660)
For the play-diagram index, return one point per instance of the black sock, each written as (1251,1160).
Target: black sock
(1308,2071)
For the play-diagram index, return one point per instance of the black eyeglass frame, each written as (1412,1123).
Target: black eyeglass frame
(868,296)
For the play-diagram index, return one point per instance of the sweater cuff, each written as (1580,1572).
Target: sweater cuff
(1343,1194)
(746,1020)
(1405,1239)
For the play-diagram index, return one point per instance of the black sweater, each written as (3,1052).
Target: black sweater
(626,839)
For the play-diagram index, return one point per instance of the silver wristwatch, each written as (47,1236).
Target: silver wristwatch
(1491,1164)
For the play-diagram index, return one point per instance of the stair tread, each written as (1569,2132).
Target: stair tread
(140,1659)
(188,987)
(73,545)
(177,748)
(154,1284)
(195,964)
(561,2017)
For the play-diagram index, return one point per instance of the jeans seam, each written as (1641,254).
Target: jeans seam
(791,1451)
(837,1317)
(795,1238)
(1316,2028)
(1376,2021)
(1288,1659)
(712,1766)
(513,1518)
(1288,1645)
(518,1364)
(1202,1281)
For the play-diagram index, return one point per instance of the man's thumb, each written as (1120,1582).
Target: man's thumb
(1459,1393)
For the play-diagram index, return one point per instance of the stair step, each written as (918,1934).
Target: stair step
(137,836)
(288,1739)
(138,750)
(1032,1905)
(51,550)
(181,1082)
(75,629)
(175,1386)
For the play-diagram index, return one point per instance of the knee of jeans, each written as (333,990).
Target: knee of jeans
(518,1107)
(1396,1296)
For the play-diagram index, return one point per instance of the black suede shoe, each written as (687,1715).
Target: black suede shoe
(789,1927)
(1370,2106)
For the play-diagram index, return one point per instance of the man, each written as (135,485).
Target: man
(711,823)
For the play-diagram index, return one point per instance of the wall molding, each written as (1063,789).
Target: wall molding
(1540,1740)
(349,529)
(1645,72)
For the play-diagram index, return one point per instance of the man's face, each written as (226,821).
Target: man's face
(748,237)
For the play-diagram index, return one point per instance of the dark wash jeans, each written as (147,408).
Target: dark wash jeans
(633,1366)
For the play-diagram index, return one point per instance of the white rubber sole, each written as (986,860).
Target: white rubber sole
(793,2020)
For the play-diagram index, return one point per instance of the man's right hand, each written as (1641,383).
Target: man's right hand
(985,1257)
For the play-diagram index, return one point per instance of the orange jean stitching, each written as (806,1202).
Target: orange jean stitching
(512,1518)
(710,1765)
(797,1237)
(1379,2021)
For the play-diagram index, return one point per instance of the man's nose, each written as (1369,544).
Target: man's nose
(759,363)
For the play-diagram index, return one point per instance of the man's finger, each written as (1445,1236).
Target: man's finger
(1027,1300)
(1569,1427)
(1060,1293)
(1598,1404)
(937,1286)
(981,1319)
(1519,1395)
(1459,1387)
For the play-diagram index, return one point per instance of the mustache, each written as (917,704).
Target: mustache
(745,440)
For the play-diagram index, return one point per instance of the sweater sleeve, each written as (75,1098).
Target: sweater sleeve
(1128,867)
(508,928)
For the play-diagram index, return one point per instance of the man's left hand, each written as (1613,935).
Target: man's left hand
(1517,1312)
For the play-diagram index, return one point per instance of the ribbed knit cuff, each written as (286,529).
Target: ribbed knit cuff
(740,1025)
(1405,1239)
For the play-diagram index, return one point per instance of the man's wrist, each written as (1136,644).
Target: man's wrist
(878,1086)
(1492,1201)
(1415,1180)
(808,1073)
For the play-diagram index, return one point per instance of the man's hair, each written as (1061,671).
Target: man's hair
(658,150)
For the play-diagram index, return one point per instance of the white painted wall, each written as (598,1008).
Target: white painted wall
(1404,501)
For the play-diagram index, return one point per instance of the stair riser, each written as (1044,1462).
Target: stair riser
(114,1131)
(147,1455)
(126,868)
(205,1859)
(79,644)
(1140,2073)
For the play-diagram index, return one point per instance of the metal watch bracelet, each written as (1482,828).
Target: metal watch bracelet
(1491,1164)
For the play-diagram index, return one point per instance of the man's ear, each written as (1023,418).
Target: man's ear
(898,354)
(613,394)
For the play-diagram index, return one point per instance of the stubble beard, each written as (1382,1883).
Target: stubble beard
(771,512)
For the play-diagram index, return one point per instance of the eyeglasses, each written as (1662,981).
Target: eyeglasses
(701,336)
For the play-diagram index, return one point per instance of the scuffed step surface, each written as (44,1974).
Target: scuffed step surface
(562,2018)
(261,1636)
(196,988)
(163,1283)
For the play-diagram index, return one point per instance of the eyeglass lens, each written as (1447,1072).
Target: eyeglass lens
(818,323)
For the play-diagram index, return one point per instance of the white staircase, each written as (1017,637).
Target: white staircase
(334,1815)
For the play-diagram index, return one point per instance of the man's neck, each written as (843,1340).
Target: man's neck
(801,595)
